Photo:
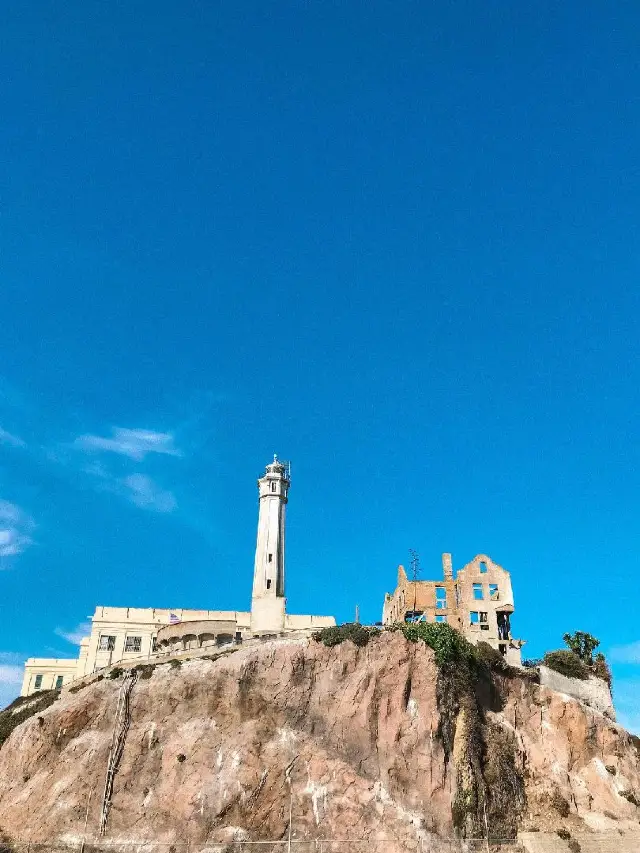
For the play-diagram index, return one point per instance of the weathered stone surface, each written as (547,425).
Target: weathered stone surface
(216,748)
(592,691)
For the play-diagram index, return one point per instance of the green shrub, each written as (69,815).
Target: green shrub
(11,717)
(336,634)
(601,669)
(493,659)
(564,834)
(448,644)
(116,672)
(145,670)
(566,663)
(175,664)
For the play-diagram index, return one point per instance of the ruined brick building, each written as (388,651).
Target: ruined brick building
(478,601)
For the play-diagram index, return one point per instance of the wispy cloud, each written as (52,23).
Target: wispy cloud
(134,443)
(10,439)
(626,654)
(15,529)
(10,677)
(146,493)
(75,634)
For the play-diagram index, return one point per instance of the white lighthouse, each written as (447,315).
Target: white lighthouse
(268,599)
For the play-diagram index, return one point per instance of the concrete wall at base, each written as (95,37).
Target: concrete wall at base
(593,691)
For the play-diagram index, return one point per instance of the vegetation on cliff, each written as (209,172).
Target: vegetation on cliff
(23,708)
(578,660)
(489,796)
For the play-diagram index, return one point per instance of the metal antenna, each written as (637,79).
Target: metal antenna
(415,571)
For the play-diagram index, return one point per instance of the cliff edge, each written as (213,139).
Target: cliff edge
(375,744)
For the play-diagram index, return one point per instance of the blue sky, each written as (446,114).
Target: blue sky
(395,243)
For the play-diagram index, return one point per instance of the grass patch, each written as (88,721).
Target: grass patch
(566,663)
(336,634)
(23,708)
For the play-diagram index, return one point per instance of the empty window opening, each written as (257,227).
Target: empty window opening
(154,644)
(441,598)
(38,682)
(483,617)
(504,626)
(133,644)
(415,616)
(478,594)
(271,558)
(59,681)
(503,648)
(493,591)
(476,617)
(273,487)
(440,617)
(268,583)
(483,568)
(484,627)
(107,643)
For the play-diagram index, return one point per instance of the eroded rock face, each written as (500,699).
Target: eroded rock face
(347,736)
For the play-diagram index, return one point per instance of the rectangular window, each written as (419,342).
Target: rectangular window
(154,644)
(271,558)
(484,627)
(440,617)
(483,568)
(474,617)
(107,643)
(38,682)
(268,583)
(483,617)
(273,487)
(478,594)
(59,681)
(493,591)
(133,644)
(441,598)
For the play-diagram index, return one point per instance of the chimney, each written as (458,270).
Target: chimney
(447,569)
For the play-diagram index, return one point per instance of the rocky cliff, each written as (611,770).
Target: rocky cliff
(375,744)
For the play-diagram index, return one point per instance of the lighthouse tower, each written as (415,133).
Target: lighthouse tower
(267,600)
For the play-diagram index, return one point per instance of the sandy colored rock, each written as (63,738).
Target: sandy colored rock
(217,747)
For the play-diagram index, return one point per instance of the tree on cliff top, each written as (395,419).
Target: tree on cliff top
(582,645)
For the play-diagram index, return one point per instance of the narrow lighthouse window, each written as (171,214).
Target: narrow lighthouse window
(273,487)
